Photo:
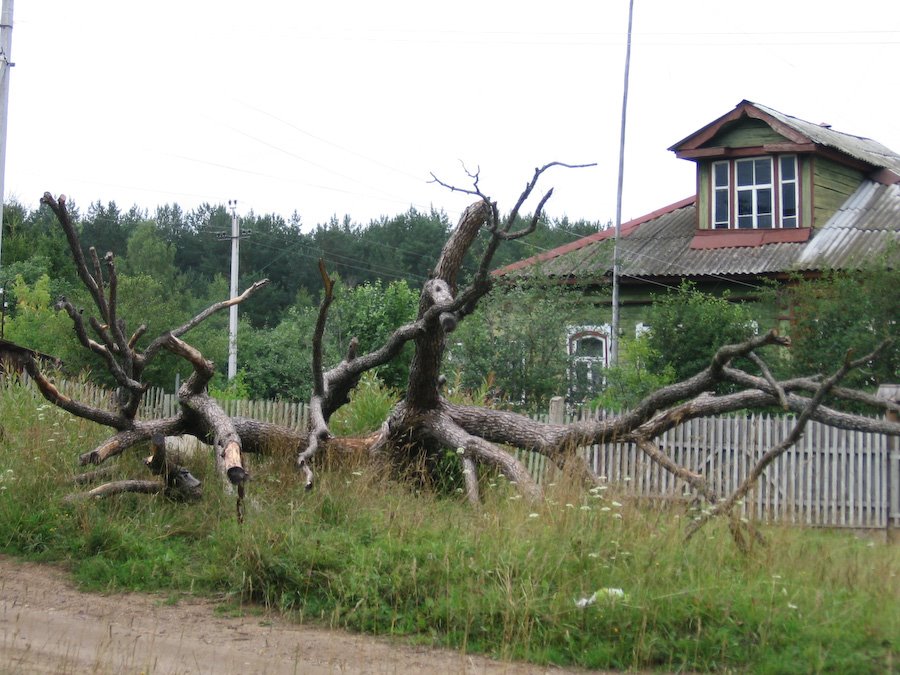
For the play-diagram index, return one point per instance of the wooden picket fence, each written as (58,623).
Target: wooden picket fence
(832,477)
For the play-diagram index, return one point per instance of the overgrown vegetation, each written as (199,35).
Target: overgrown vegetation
(503,580)
(839,312)
(171,265)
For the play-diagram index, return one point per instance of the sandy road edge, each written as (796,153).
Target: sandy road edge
(48,626)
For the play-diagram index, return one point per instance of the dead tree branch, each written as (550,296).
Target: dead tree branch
(727,505)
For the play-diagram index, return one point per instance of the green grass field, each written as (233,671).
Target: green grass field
(368,554)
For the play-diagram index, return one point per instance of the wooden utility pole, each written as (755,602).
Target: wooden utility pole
(6,24)
(236,234)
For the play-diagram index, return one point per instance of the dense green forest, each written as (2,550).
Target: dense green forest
(173,262)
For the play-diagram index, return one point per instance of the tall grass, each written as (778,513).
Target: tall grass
(367,553)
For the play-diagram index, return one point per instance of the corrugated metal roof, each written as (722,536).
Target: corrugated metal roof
(861,148)
(660,246)
(863,228)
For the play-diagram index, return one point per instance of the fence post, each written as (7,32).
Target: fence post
(557,410)
(891,392)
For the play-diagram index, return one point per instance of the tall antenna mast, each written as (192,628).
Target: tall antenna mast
(6,25)
(614,338)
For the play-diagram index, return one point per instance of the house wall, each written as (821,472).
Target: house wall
(635,303)
(704,183)
(833,184)
(807,200)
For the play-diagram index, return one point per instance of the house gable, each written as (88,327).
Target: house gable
(746,133)
(846,189)
(760,169)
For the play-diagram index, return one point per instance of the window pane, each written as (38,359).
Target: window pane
(745,203)
(764,222)
(788,168)
(582,377)
(763,171)
(764,201)
(721,213)
(744,172)
(745,222)
(789,222)
(590,346)
(788,200)
(721,174)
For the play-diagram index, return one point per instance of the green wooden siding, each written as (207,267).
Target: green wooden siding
(704,182)
(806,189)
(747,133)
(833,184)
(636,302)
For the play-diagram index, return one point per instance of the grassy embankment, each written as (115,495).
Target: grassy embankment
(367,555)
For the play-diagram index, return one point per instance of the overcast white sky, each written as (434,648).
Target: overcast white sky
(345,107)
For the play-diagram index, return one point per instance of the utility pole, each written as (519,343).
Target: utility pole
(6,24)
(614,338)
(236,234)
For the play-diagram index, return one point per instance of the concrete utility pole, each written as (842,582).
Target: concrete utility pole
(236,234)
(6,24)
(614,338)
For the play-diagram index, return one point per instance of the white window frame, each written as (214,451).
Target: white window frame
(776,186)
(595,364)
(721,221)
(789,183)
(755,187)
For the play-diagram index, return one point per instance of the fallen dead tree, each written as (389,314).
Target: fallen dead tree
(424,424)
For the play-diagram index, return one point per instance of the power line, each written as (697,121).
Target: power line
(346,261)
(331,143)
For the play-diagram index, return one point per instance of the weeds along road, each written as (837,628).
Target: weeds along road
(47,626)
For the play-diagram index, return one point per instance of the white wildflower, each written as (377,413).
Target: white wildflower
(608,594)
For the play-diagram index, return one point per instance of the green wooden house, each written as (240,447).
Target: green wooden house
(776,197)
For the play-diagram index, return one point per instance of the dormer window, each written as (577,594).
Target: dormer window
(755,193)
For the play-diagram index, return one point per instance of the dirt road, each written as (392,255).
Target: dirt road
(47,626)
